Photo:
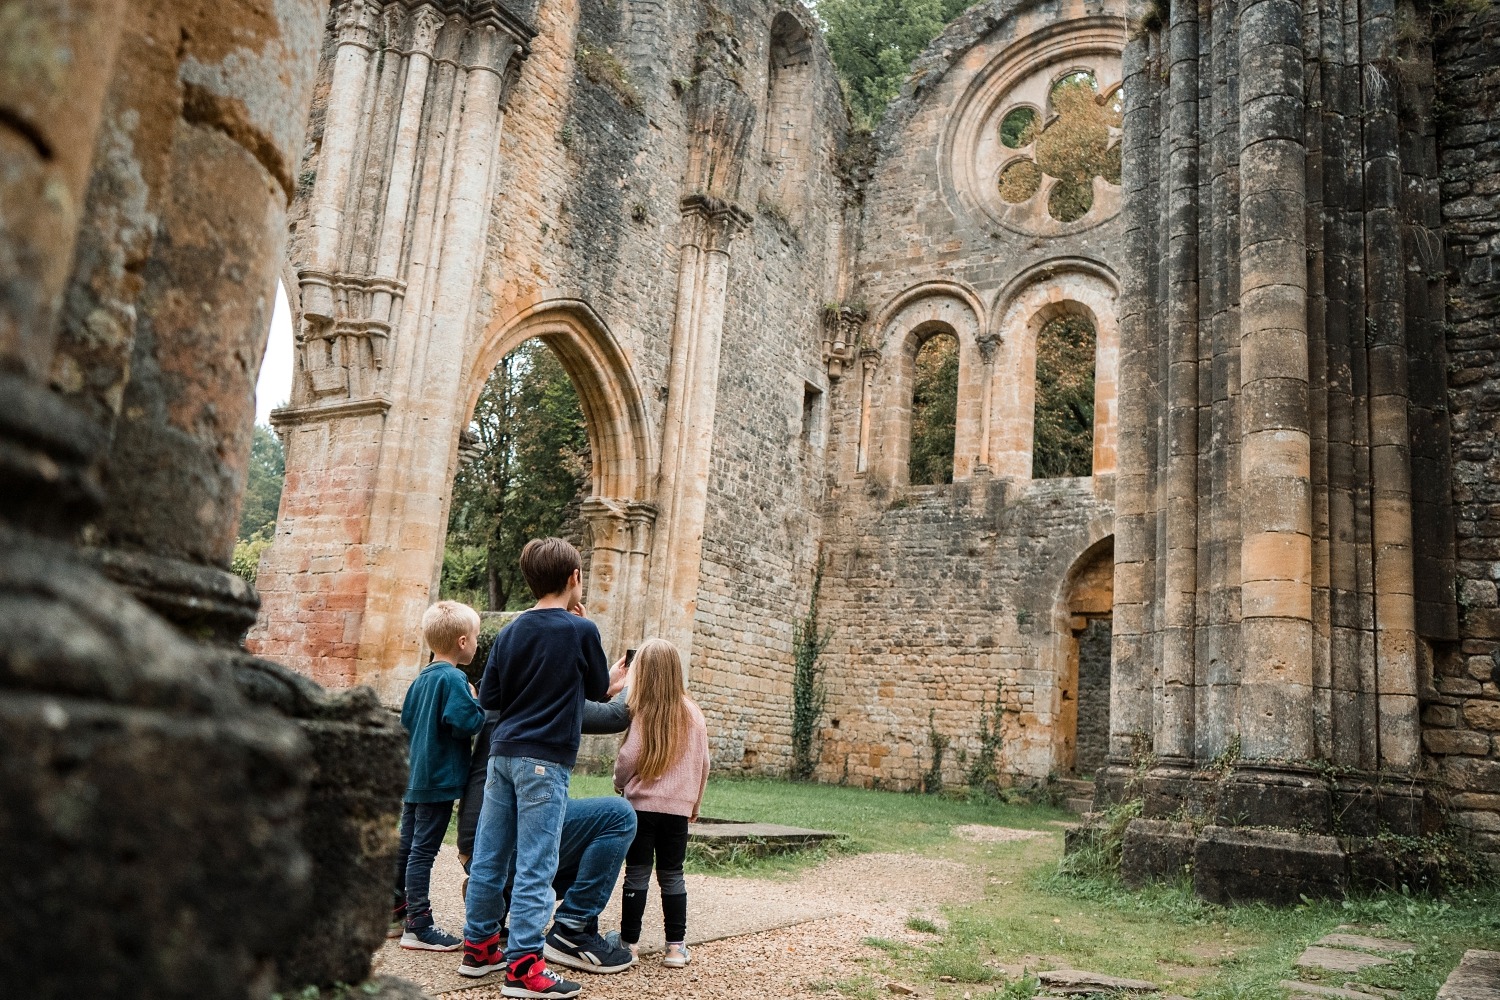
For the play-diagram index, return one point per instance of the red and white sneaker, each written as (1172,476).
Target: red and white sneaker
(481,957)
(528,976)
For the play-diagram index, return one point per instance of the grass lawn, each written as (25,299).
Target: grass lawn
(1033,917)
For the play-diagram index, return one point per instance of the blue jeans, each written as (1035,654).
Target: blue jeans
(596,834)
(422,827)
(520,826)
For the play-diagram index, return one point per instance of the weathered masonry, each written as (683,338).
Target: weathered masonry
(1240,230)
(1215,287)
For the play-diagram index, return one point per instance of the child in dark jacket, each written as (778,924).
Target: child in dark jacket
(441,718)
(542,668)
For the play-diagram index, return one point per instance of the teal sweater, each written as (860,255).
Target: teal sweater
(441,718)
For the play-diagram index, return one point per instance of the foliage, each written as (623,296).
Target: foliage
(808,693)
(934,411)
(247,552)
(984,768)
(603,67)
(1064,415)
(531,462)
(873,43)
(263,481)
(937,745)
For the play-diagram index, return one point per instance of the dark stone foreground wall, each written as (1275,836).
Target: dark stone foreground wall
(1462,716)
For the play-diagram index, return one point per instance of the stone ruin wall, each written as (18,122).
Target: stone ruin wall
(592,163)
(932,594)
(1461,718)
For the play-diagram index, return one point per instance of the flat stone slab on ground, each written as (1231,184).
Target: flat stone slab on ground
(1476,978)
(1338,960)
(718,831)
(1314,991)
(981,833)
(1076,981)
(1360,942)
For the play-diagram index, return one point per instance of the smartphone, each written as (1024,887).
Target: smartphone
(629,657)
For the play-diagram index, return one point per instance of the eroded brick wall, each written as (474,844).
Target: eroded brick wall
(1461,721)
(937,595)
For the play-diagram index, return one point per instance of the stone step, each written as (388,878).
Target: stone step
(1338,960)
(1314,991)
(755,838)
(1476,978)
(1076,787)
(1080,806)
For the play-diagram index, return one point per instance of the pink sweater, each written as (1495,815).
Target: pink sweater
(679,792)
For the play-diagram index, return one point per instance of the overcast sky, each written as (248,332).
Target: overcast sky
(275,385)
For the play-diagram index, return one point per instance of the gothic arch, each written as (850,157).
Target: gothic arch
(787,146)
(619,514)
(613,409)
(1021,310)
(911,318)
(1081,614)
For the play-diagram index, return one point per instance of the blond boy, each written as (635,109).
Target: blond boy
(441,718)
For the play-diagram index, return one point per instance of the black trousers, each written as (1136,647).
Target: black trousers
(660,839)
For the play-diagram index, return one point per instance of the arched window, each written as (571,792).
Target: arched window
(934,410)
(1063,428)
(789,107)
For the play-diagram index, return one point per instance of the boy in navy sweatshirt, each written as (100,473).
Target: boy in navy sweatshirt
(441,718)
(542,668)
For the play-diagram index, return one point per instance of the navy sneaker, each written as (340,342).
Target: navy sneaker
(528,976)
(585,950)
(430,938)
(398,918)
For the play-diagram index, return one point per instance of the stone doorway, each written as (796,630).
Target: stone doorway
(1084,639)
(1091,742)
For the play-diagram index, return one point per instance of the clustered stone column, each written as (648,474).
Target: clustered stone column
(720,117)
(1279,325)
(167,797)
(388,273)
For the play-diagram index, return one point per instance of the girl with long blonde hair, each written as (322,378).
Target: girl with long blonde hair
(662,769)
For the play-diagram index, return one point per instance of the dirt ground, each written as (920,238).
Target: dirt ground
(753,937)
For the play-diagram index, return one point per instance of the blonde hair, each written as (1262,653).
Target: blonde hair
(658,703)
(445,623)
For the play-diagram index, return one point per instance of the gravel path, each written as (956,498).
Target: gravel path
(774,938)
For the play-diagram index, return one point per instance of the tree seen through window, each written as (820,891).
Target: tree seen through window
(1064,427)
(934,411)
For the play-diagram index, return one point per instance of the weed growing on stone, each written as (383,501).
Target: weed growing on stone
(808,694)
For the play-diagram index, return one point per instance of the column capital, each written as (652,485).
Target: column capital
(358,23)
(425,25)
(711,224)
(869,357)
(988,345)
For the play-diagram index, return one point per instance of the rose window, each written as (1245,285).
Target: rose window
(1056,161)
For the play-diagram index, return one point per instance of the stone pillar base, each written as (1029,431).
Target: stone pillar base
(1239,865)
(1266,834)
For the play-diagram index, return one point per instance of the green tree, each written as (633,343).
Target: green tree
(263,483)
(531,460)
(1064,414)
(873,43)
(934,411)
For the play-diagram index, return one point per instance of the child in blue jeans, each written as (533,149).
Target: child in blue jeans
(542,668)
(441,718)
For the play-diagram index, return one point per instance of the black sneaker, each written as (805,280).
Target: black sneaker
(585,950)
(528,976)
(430,938)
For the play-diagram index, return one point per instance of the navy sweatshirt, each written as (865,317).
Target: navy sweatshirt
(541,669)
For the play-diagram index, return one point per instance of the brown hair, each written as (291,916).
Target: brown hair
(445,623)
(546,563)
(658,703)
